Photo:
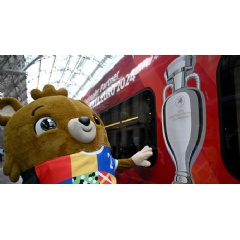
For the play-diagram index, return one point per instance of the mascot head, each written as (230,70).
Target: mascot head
(51,126)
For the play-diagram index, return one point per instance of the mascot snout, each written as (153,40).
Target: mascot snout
(82,129)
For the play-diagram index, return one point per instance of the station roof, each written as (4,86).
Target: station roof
(76,73)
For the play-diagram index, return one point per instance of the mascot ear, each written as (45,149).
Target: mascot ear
(8,106)
(83,102)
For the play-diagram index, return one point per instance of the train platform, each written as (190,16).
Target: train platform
(4,179)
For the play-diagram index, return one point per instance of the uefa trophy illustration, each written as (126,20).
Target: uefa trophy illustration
(183,116)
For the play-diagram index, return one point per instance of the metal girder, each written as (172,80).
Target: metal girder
(32,62)
(92,74)
(4,61)
(67,64)
(12,72)
(73,71)
(52,68)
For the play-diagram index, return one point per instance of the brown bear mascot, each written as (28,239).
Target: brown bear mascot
(56,139)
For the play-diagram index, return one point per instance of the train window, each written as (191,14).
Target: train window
(228,81)
(131,125)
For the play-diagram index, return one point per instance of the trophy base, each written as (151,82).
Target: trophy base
(183,178)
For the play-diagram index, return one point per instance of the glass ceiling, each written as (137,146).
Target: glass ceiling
(76,73)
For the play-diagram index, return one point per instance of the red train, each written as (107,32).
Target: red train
(186,107)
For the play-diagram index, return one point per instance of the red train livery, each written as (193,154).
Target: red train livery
(186,107)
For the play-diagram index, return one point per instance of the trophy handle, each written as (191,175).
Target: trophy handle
(165,89)
(196,77)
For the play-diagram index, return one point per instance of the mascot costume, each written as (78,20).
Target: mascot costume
(56,139)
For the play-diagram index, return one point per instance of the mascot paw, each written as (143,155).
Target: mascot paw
(140,158)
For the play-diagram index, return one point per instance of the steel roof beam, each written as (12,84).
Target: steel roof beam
(39,72)
(52,68)
(12,72)
(73,71)
(92,74)
(6,58)
(67,64)
(32,62)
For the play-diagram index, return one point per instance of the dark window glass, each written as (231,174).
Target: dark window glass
(228,81)
(131,125)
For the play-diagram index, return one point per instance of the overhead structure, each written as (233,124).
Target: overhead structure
(13,77)
(76,73)
(19,74)
(12,80)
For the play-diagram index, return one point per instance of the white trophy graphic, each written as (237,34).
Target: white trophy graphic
(183,117)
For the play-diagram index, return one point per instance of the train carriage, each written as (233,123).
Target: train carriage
(186,107)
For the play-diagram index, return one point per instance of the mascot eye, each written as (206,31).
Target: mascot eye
(44,124)
(96,120)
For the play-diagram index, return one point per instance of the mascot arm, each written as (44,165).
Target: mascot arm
(125,164)
(138,159)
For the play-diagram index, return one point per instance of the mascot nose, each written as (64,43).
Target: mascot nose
(84,120)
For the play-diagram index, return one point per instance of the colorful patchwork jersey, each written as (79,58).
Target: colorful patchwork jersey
(90,168)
